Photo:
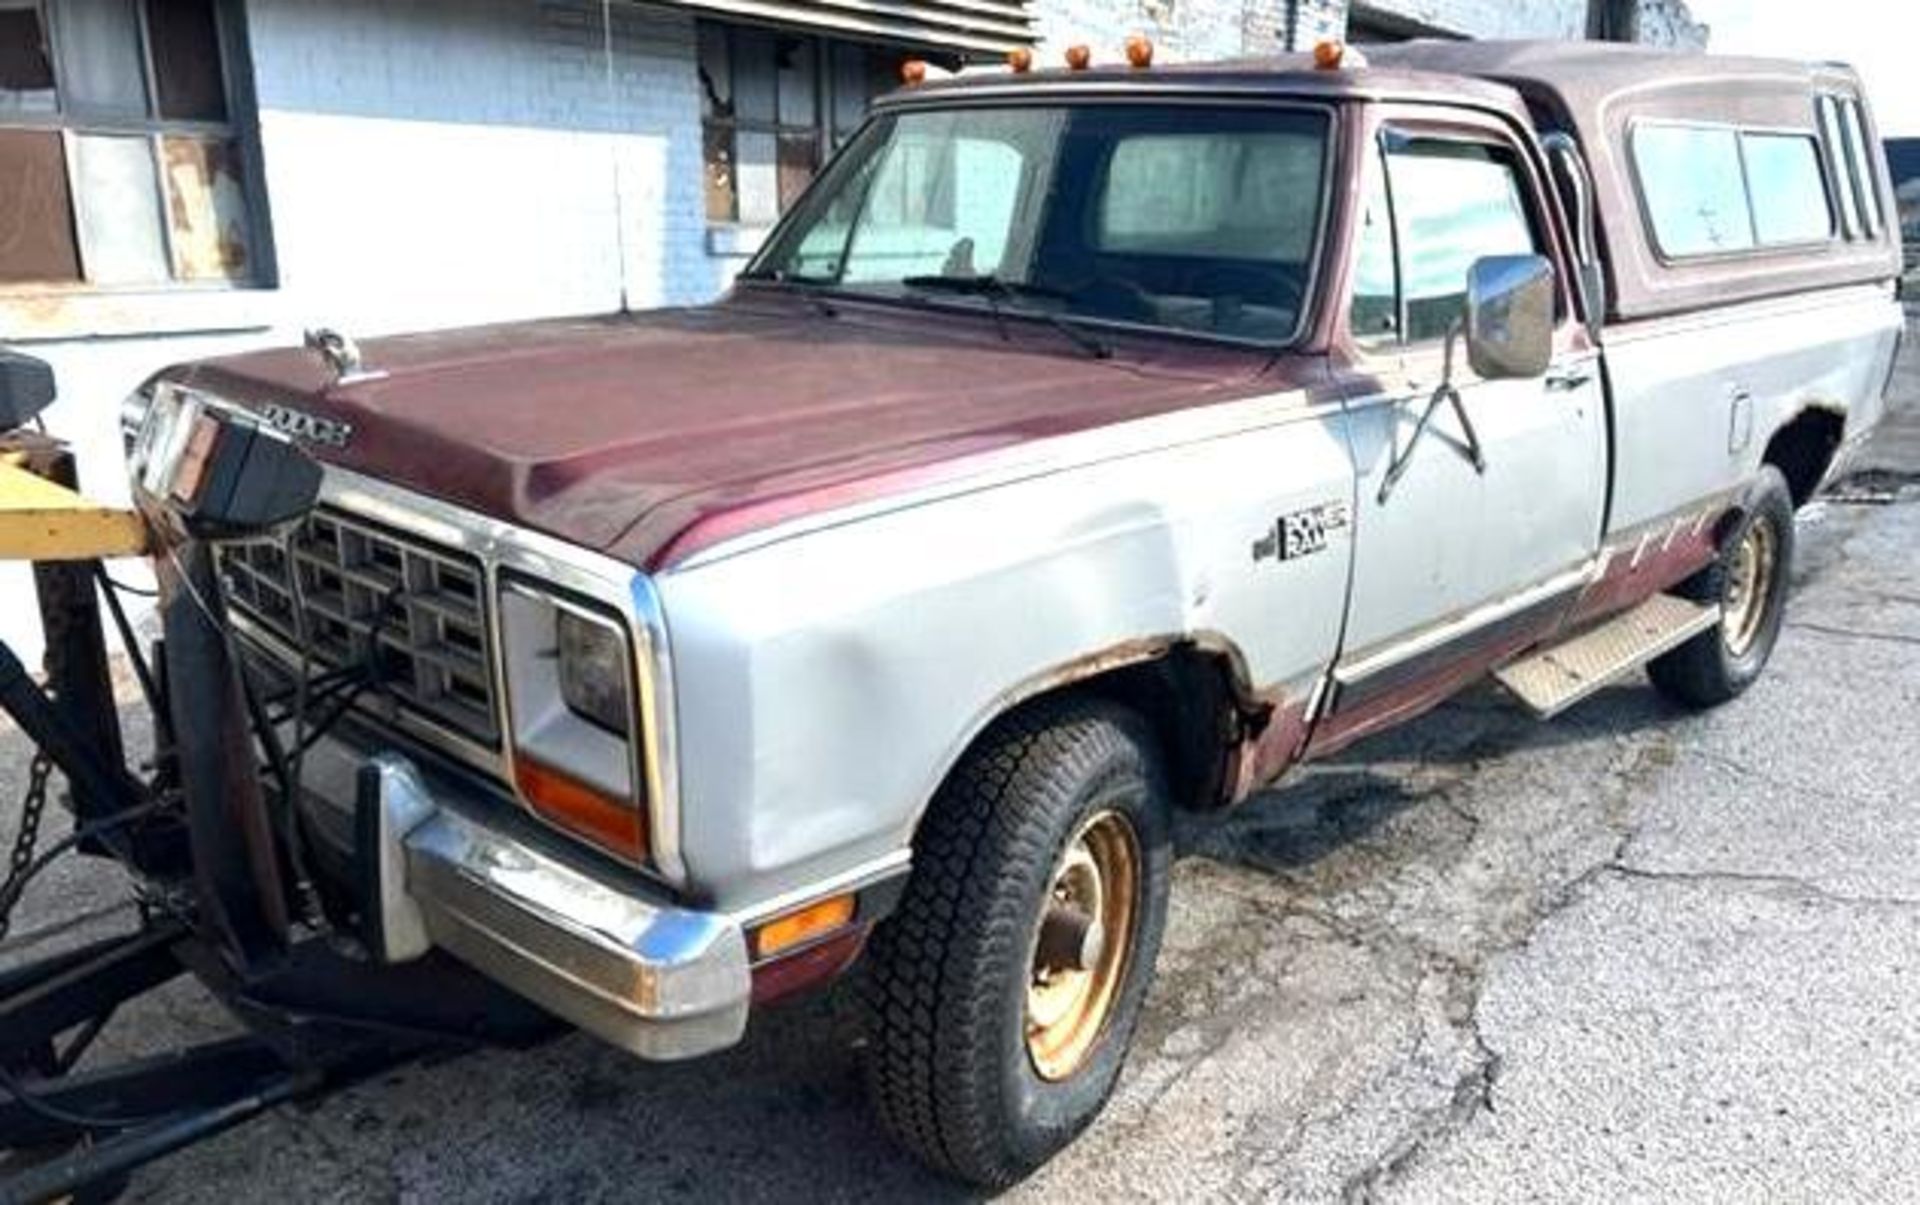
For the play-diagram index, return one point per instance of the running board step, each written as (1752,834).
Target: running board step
(1554,679)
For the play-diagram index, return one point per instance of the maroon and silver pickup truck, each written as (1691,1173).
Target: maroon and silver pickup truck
(1084,445)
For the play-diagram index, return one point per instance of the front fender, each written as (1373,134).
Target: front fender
(826,683)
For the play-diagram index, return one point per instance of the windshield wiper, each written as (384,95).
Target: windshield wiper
(986,285)
(996,290)
(803,286)
(782,276)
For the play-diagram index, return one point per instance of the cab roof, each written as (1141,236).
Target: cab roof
(1573,83)
(1280,75)
(1595,91)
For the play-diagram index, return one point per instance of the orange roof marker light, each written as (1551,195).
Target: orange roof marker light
(1078,56)
(1331,54)
(1140,51)
(913,71)
(1020,60)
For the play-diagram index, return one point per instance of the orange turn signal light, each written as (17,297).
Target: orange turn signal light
(610,822)
(1140,51)
(1020,59)
(1078,57)
(810,922)
(1328,53)
(913,71)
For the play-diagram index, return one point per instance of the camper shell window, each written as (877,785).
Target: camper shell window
(1709,190)
(1602,94)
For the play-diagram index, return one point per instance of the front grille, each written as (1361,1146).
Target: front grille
(359,585)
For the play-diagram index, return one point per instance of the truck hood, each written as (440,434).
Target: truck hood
(632,434)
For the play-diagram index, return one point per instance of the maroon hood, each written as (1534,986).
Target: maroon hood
(635,434)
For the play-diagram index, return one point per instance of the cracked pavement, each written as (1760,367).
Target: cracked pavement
(1627,953)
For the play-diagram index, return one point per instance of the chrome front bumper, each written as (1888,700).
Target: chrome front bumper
(653,978)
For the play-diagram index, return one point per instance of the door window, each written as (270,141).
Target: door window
(1375,315)
(1450,203)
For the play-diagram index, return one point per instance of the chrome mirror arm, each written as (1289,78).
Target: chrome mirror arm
(1443,392)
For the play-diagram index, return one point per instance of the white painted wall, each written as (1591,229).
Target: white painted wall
(428,163)
(443,163)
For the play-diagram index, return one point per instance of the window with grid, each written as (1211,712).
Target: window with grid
(120,162)
(773,106)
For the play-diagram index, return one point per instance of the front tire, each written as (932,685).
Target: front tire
(999,999)
(1749,582)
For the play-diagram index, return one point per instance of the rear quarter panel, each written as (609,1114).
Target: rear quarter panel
(1683,432)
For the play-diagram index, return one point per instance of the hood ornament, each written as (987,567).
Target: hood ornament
(342,354)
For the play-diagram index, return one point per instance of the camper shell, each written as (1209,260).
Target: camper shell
(1603,94)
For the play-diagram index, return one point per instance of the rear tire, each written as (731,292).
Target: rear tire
(988,1049)
(1748,580)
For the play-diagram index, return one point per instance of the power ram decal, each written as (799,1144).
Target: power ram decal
(1302,532)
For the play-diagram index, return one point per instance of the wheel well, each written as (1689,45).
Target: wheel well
(1804,448)
(1190,698)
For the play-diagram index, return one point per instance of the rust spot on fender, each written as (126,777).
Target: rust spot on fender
(1080,669)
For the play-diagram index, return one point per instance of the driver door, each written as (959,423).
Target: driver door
(1456,566)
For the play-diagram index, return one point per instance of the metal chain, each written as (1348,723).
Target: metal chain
(31,807)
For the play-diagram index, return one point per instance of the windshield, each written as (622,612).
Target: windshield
(1186,217)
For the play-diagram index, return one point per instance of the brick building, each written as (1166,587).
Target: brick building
(180,178)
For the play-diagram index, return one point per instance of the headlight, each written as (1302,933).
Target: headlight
(596,675)
(570,703)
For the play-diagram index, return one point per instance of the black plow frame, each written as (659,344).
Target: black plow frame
(220,896)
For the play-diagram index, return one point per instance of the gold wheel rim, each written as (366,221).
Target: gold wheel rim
(1082,943)
(1743,609)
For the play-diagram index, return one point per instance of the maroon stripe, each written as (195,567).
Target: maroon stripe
(1625,584)
(1407,699)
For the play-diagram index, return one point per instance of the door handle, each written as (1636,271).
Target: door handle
(1571,377)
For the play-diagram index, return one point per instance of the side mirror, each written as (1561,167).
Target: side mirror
(26,388)
(1509,316)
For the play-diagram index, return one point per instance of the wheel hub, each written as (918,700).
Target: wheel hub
(1750,574)
(1081,944)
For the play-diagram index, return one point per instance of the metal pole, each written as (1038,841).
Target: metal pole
(76,664)
(59,1177)
(236,864)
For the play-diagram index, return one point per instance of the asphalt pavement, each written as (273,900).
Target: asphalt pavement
(1627,954)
